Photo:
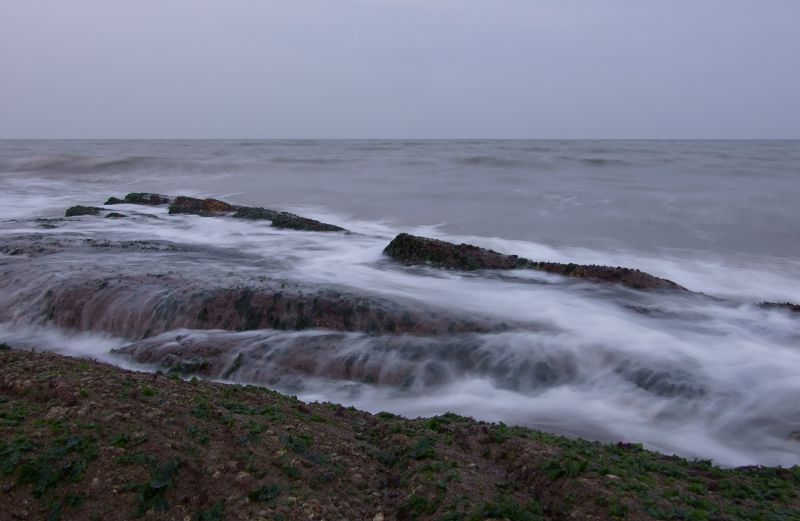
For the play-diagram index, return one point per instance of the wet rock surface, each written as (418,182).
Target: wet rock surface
(408,362)
(77,211)
(146,198)
(123,292)
(414,250)
(255,214)
(160,303)
(411,249)
(295,222)
(204,207)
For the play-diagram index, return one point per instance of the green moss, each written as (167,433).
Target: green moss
(265,494)
(66,460)
(214,513)
(416,507)
(12,452)
(510,509)
(299,444)
(424,449)
(76,211)
(151,496)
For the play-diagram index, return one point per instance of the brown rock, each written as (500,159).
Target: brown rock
(203,207)
(411,249)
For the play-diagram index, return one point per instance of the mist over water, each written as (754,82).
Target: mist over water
(711,376)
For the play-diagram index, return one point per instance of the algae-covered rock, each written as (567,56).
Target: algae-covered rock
(255,214)
(76,211)
(146,198)
(295,222)
(115,215)
(410,249)
(204,207)
(114,200)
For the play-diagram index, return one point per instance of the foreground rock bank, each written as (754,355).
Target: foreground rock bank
(411,249)
(82,440)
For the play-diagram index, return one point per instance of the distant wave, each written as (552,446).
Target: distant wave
(308,160)
(69,163)
(599,161)
(491,162)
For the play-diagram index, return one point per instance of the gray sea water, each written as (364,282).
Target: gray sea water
(718,217)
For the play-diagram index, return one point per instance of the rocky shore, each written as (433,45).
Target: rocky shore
(215,208)
(81,440)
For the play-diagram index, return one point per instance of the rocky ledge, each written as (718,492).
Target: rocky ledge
(414,250)
(132,290)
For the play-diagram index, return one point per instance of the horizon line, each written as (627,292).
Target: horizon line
(2,138)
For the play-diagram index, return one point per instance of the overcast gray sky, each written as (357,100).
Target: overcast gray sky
(400,68)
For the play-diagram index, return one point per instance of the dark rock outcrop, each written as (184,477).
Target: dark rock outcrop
(414,250)
(115,215)
(411,249)
(255,214)
(204,207)
(146,198)
(284,219)
(295,222)
(76,211)
(114,200)
(794,308)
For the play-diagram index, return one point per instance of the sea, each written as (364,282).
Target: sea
(721,218)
